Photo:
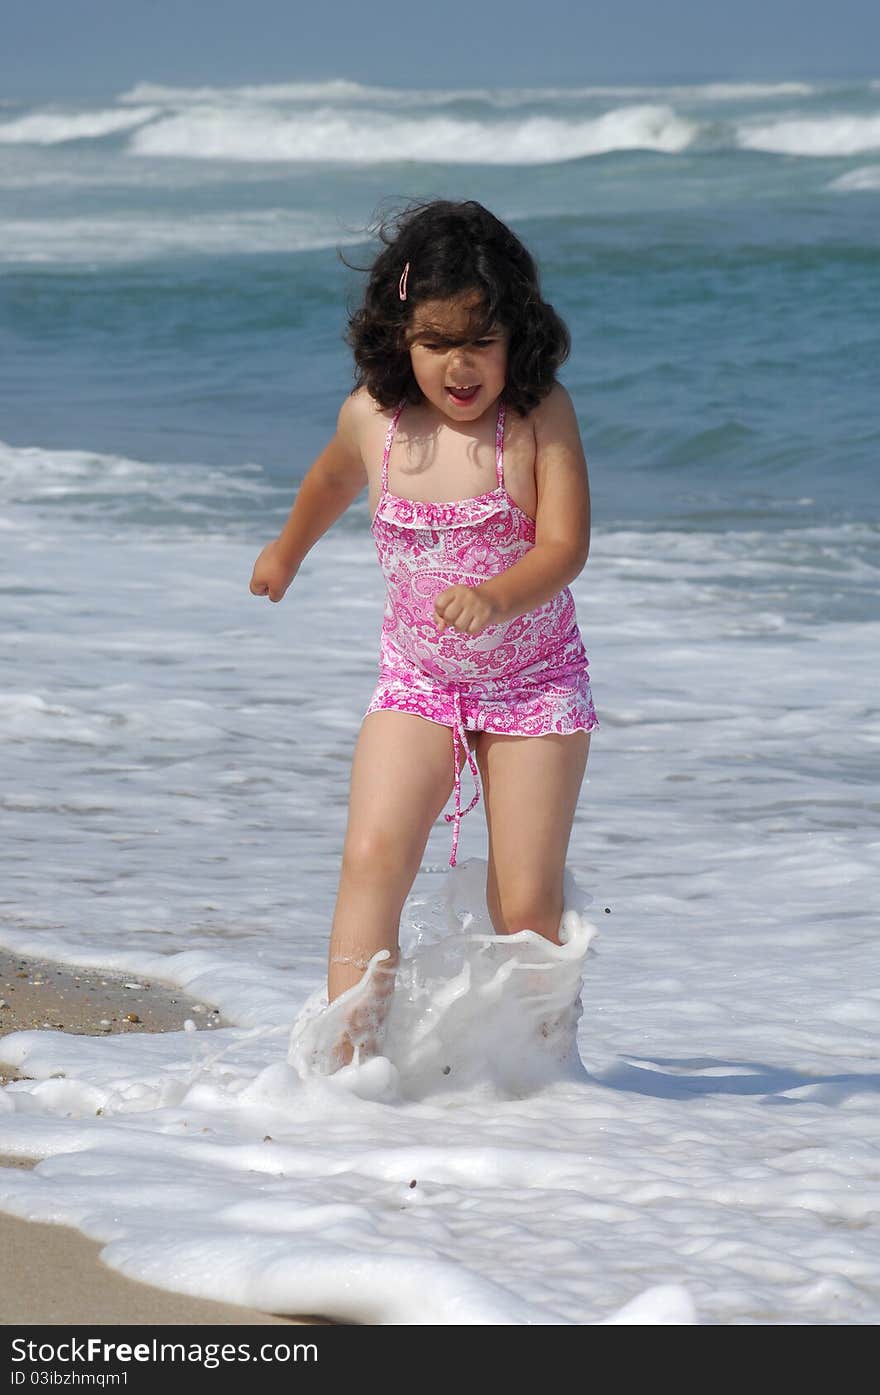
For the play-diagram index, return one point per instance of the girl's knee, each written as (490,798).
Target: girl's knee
(378,854)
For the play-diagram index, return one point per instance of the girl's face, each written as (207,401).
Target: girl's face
(460,377)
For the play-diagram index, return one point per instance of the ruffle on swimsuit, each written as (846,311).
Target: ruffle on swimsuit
(526,677)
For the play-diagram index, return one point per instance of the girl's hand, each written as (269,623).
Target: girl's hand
(273,573)
(463,608)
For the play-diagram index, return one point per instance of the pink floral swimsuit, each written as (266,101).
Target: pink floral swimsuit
(526,677)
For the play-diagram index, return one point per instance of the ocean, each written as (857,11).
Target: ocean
(175,753)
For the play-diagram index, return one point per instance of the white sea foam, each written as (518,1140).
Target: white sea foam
(865,177)
(673,92)
(344,91)
(469,1009)
(333,90)
(54,128)
(746,91)
(131,237)
(341,120)
(99,480)
(823,136)
(471,1022)
(173,805)
(336,135)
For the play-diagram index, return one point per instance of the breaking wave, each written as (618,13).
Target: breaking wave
(327,134)
(54,128)
(826,136)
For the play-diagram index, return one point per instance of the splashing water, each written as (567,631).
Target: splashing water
(470,1009)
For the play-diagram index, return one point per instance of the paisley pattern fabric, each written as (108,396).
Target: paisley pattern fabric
(526,677)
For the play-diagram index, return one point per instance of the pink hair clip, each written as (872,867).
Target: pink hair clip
(401,290)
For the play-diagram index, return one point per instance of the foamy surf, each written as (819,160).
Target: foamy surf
(470,1010)
(259,134)
(319,1216)
(866,177)
(826,137)
(54,128)
(344,90)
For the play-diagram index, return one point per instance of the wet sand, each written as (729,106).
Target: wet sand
(56,997)
(52,1273)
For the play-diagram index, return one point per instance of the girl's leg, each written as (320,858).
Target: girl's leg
(401,778)
(531,786)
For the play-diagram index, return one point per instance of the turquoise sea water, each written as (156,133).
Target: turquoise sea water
(170,289)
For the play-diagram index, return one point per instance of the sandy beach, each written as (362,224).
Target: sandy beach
(52,1273)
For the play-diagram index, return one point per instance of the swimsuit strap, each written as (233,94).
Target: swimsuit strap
(499,446)
(389,437)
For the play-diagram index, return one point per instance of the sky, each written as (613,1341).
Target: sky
(82,49)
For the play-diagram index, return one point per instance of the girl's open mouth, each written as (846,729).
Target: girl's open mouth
(463,395)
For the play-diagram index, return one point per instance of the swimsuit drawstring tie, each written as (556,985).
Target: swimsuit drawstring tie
(459,734)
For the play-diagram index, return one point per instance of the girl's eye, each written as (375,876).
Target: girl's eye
(441,348)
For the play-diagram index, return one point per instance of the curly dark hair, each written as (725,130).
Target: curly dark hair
(454,249)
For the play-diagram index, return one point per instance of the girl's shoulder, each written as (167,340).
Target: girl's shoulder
(556,406)
(554,423)
(362,420)
(553,413)
(363,412)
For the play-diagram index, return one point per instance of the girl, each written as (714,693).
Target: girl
(480,509)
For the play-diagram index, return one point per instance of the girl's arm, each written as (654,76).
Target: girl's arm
(331,485)
(562,524)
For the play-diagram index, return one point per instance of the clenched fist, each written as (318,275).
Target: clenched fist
(273,572)
(463,608)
